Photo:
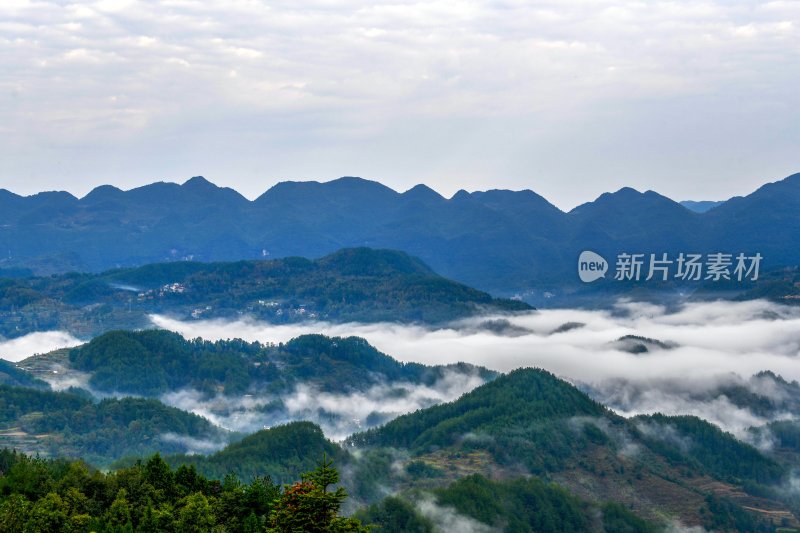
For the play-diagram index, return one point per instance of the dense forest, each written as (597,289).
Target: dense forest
(73,424)
(54,496)
(529,418)
(528,414)
(521,505)
(152,362)
(693,441)
(358,284)
(282,453)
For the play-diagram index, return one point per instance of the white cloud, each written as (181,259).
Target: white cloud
(712,338)
(716,344)
(543,72)
(35,343)
(194,445)
(338,414)
(446,518)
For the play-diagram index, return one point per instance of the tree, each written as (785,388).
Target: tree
(148,523)
(14,512)
(309,506)
(158,473)
(196,515)
(119,514)
(48,515)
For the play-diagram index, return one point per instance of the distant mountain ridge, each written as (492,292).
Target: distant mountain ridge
(497,240)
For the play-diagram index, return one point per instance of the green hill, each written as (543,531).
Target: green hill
(282,453)
(10,374)
(66,424)
(358,284)
(593,470)
(526,415)
(531,422)
(152,362)
(691,441)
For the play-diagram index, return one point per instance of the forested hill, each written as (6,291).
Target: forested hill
(530,421)
(224,381)
(282,453)
(72,424)
(358,284)
(154,362)
(150,496)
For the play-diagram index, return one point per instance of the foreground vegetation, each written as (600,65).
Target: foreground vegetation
(41,496)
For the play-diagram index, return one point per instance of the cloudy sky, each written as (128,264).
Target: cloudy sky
(696,99)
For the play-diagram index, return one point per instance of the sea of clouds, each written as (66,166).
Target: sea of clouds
(703,349)
(710,345)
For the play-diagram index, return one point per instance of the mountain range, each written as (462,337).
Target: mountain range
(501,241)
(549,453)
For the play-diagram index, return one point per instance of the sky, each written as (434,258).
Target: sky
(571,98)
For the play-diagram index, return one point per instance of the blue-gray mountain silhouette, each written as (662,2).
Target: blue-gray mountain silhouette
(497,240)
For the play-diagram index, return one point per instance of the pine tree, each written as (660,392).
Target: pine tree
(310,506)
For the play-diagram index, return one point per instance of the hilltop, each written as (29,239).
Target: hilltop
(359,284)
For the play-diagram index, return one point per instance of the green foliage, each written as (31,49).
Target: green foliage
(358,284)
(18,401)
(99,432)
(523,416)
(520,505)
(282,452)
(155,361)
(725,515)
(43,496)
(706,447)
(421,469)
(152,362)
(395,515)
(523,505)
(618,519)
(14,513)
(196,515)
(310,506)
(784,433)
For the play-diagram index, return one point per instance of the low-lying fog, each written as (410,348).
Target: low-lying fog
(702,347)
(687,360)
(339,415)
(35,343)
(709,339)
